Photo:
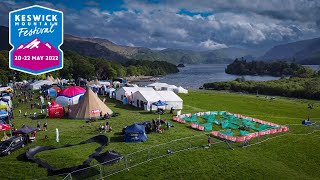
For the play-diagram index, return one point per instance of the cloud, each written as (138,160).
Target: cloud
(91,3)
(206,24)
(211,45)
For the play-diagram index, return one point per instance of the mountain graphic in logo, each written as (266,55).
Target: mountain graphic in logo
(36,55)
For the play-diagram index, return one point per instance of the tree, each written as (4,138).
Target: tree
(3,78)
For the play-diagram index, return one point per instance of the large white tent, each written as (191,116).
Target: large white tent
(106,83)
(146,98)
(181,90)
(159,86)
(110,92)
(37,85)
(123,92)
(171,99)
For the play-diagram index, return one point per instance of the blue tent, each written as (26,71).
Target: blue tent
(51,92)
(135,133)
(159,103)
(3,114)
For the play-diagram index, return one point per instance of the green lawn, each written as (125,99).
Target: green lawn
(292,156)
(68,156)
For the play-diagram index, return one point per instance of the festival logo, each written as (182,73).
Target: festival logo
(36,34)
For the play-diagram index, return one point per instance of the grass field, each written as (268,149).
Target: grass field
(292,156)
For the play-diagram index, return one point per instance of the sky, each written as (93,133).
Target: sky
(185,24)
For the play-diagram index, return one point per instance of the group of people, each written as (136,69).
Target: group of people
(105,116)
(105,128)
(24,97)
(157,125)
(45,126)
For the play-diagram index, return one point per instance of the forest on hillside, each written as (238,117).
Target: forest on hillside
(296,80)
(78,66)
(275,68)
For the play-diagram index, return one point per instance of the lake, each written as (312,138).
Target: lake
(194,76)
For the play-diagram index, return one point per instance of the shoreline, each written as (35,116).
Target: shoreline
(141,78)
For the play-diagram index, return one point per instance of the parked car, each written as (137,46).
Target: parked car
(12,144)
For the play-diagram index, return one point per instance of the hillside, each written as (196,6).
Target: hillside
(175,56)
(102,48)
(305,52)
(92,49)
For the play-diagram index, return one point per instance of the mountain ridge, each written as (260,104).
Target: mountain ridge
(103,48)
(304,51)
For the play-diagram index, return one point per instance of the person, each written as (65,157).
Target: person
(171,110)
(154,125)
(106,126)
(168,124)
(26,139)
(101,114)
(25,114)
(45,126)
(209,140)
(39,126)
(100,127)
(20,112)
(110,129)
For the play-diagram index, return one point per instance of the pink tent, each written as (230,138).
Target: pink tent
(70,96)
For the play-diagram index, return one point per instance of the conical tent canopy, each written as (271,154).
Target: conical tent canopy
(53,80)
(96,82)
(49,78)
(89,107)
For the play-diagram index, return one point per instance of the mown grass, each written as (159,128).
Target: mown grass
(68,156)
(292,156)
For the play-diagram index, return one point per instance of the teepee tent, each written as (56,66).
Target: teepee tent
(89,107)
(49,79)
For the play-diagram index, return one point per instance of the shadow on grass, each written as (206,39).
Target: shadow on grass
(117,139)
(84,174)
(118,134)
(147,112)
(41,116)
(22,157)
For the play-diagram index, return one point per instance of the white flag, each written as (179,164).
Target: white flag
(57,135)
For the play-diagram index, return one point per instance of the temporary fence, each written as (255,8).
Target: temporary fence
(270,128)
(106,169)
(131,160)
